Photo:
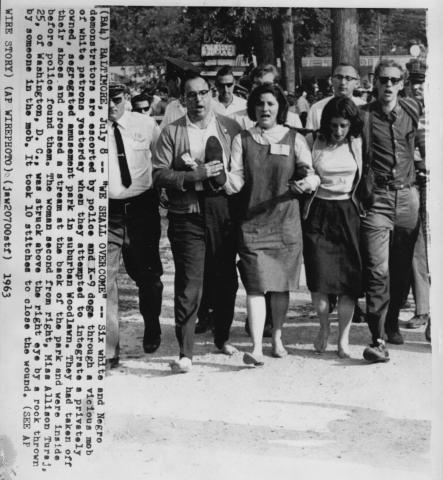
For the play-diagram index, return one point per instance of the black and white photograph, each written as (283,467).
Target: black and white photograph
(190,287)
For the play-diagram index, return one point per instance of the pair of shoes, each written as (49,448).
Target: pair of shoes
(376,353)
(417,321)
(428,330)
(395,338)
(112,363)
(228,349)
(183,365)
(279,352)
(150,345)
(255,360)
(358,316)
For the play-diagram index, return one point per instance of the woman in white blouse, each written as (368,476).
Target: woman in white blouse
(277,168)
(332,220)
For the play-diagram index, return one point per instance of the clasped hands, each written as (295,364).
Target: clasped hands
(298,187)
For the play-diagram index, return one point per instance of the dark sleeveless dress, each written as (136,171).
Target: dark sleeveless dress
(270,238)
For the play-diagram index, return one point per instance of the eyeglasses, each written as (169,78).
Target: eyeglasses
(227,85)
(194,95)
(116,100)
(393,80)
(141,110)
(344,77)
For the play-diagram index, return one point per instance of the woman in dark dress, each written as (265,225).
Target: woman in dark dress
(332,222)
(277,167)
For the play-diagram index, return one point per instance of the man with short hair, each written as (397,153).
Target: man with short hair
(141,104)
(228,103)
(192,162)
(134,220)
(344,82)
(390,227)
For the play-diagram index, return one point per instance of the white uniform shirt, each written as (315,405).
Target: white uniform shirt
(139,134)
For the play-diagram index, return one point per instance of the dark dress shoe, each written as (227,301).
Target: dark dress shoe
(376,353)
(417,321)
(151,345)
(112,363)
(395,338)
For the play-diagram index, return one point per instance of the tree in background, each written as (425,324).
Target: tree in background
(344,36)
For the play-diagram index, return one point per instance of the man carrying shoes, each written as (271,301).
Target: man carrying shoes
(192,163)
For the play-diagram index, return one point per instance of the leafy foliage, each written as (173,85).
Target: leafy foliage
(145,35)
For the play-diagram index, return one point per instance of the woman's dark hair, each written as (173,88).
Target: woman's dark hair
(341,107)
(275,90)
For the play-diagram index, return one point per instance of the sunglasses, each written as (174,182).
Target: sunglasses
(344,77)
(393,80)
(194,95)
(141,110)
(227,85)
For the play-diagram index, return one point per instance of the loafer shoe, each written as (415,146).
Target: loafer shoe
(417,321)
(254,360)
(395,338)
(376,353)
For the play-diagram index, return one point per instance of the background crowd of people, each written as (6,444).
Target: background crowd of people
(260,180)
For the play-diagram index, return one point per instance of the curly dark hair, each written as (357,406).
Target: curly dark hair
(339,107)
(278,93)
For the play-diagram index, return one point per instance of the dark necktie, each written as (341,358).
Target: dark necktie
(122,162)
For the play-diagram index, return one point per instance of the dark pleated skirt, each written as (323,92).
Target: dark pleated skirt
(331,237)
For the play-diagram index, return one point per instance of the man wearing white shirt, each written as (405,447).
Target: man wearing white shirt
(227,102)
(134,220)
(192,162)
(344,82)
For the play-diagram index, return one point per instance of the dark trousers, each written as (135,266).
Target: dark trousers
(134,233)
(203,243)
(388,234)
